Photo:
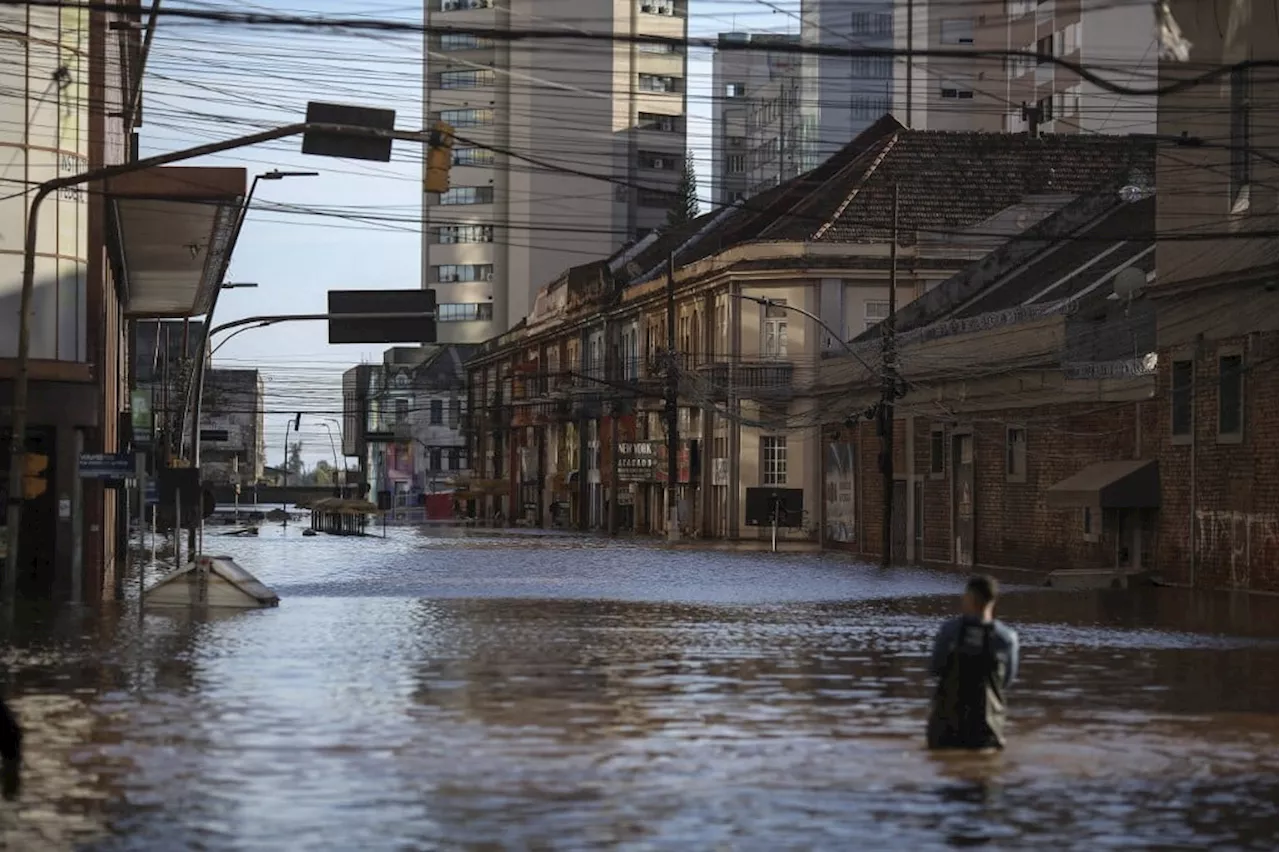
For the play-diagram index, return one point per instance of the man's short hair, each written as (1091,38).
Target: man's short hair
(984,588)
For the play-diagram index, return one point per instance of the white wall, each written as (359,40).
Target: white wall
(50,140)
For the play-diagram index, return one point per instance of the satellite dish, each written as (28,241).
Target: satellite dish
(1129,281)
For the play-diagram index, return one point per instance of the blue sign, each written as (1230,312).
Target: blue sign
(151,496)
(106,466)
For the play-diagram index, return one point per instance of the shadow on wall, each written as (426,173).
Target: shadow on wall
(59,311)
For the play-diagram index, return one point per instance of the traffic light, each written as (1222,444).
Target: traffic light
(33,475)
(439,157)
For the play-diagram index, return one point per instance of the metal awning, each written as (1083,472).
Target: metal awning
(1127,484)
(175,228)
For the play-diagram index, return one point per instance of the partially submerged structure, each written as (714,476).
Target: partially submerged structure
(338,516)
(215,581)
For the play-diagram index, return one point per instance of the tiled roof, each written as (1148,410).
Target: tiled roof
(950,181)
(946,181)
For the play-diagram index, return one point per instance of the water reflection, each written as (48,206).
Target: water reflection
(717,701)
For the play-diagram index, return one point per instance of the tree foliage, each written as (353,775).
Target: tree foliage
(686,203)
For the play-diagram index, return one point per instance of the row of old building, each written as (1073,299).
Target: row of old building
(1083,361)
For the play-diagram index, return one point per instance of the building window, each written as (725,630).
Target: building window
(1241,132)
(873,313)
(455,413)
(472,157)
(433,462)
(1230,396)
(957,31)
(1015,456)
(657,83)
(462,5)
(659,161)
(1044,50)
(450,234)
(453,273)
(455,459)
(402,410)
(773,460)
(462,41)
(937,450)
(465,312)
(868,106)
(872,67)
(469,79)
(658,7)
(466,117)
(774,344)
(1180,396)
(437,412)
(655,198)
(954,90)
(666,47)
(468,195)
(1087,524)
(735,90)
(658,121)
(737,164)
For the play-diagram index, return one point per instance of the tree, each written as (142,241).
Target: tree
(296,465)
(686,203)
(322,473)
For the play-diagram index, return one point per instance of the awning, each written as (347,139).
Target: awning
(175,227)
(1128,484)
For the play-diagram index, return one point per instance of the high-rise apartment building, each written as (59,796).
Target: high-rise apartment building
(779,112)
(756,122)
(1117,40)
(565,149)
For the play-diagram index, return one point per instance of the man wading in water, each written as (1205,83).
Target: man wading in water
(975,658)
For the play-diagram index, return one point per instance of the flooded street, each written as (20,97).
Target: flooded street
(490,692)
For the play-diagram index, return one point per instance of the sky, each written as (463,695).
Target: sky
(356,224)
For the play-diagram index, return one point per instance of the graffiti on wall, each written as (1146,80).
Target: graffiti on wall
(841,509)
(1239,539)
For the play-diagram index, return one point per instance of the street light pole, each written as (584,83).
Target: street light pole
(22,374)
(196,541)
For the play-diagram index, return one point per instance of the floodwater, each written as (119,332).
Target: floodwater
(486,693)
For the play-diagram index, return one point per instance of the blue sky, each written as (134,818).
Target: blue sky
(210,81)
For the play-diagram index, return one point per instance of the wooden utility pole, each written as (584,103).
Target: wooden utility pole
(672,410)
(889,389)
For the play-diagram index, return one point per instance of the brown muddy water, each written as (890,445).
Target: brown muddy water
(487,692)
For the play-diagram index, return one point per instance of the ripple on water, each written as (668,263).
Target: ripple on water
(572,694)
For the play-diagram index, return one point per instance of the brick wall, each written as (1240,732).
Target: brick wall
(1014,528)
(1222,533)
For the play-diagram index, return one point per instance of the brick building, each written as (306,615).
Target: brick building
(1217,306)
(1024,429)
(762,292)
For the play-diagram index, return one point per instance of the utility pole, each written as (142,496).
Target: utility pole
(672,410)
(889,390)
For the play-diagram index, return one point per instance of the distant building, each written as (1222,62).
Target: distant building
(404,419)
(507,226)
(756,119)
(966,93)
(232,449)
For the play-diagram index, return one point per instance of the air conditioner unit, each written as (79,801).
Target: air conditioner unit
(449,5)
(448,279)
(488,276)
(657,163)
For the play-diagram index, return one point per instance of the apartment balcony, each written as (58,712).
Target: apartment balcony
(762,379)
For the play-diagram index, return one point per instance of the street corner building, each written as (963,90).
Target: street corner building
(567,420)
(149,244)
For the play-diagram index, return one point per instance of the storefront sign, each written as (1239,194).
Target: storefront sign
(638,461)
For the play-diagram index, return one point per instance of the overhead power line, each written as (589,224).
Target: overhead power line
(358,24)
